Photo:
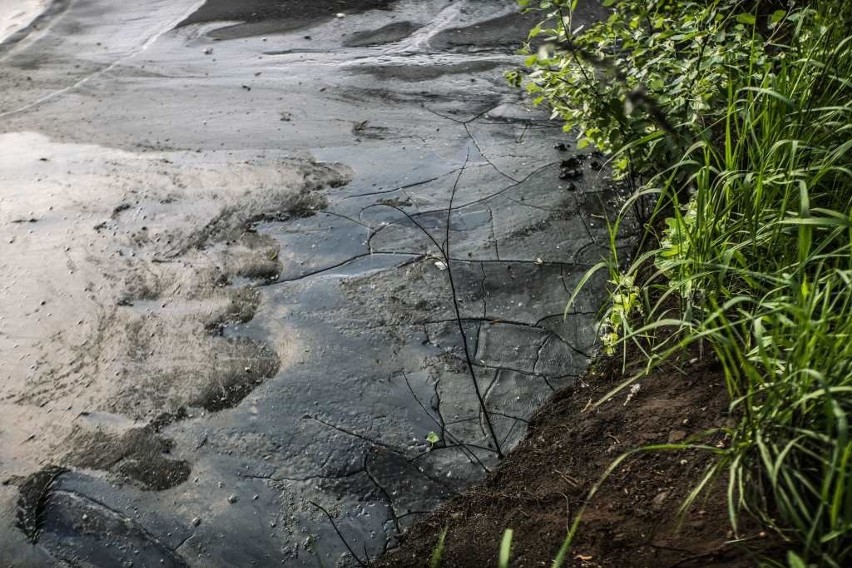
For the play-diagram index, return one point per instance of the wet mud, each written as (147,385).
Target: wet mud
(259,17)
(263,269)
(386,34)
(423,73)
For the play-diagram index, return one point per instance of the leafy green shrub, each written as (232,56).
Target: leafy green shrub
(651,67)
(736,116)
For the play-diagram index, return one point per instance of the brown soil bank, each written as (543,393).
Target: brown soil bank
(633,520)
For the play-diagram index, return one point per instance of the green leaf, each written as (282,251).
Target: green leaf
(747,19)
(776,17)
(438,551)
(506,549)
(794,560)
(433,438)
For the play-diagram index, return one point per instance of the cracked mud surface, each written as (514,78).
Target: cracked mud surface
(225,309)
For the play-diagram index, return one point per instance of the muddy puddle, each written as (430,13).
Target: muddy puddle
(230,329)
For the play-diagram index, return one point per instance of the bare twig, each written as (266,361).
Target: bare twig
(444,250)
(384,493)
(360,562)
(467,355)
(354,434)
(445,433)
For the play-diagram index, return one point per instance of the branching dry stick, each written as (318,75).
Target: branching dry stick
(360,562)
(354,434)
(459,321)
(462,332)
(445,432)
(445,254)
(384,493)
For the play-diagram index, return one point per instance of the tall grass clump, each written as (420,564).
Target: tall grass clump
(735,117)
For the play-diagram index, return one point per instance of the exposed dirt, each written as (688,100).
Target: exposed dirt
(633,520)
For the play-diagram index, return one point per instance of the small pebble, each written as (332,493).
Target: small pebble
(568,173)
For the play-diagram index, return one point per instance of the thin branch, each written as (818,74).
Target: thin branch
(360,562)
(444,250)
(386,495)
(354,434)
(445,433)
(468,357)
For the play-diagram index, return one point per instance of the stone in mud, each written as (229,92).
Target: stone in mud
(568,173)
(513,398)
(571,163)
